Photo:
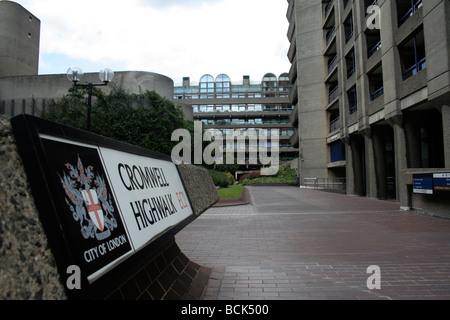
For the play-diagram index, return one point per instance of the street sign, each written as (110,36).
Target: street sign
(423,183)
(103,203)
(441,181)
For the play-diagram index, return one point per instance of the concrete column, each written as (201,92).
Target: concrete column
(400,149)
(446,129)
(358,164)
(413,147)
(371,181)
(379,155)
(349,174)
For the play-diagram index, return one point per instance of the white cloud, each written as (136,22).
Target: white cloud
(237,37)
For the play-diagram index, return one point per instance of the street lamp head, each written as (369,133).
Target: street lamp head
(106,75)
(74,74)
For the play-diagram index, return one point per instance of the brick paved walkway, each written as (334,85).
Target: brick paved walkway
(306,244)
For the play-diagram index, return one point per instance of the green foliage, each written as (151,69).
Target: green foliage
(221,179)
(232,192)
(285,175)
(147,119)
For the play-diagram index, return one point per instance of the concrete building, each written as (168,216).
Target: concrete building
(259,105)
(371,90)
(22,90)
(19,40)
(30,94)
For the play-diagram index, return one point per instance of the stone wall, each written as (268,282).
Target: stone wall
(27,265)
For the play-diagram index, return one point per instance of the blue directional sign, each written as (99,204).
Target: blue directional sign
(423,183)
(441,181)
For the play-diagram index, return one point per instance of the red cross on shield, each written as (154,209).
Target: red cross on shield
(94,209)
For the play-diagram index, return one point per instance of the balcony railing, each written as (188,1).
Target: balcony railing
(416,5)
(333,94)
(377,93)
(328,7)
(336,184)
(330,34)
(351,71)
(420,65)
(335,125)
(332,63)
(375,48)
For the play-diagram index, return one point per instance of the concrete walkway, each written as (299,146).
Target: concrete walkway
(294,243)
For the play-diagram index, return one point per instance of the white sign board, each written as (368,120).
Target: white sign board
(115,203)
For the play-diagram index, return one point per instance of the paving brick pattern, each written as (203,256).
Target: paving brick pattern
(305,244)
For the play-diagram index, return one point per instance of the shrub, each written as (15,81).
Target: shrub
(220,178)
(250,176)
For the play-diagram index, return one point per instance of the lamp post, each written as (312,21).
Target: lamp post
(75,74)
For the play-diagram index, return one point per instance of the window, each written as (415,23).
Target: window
(348,27)
(269,85)
(330,33)
(333,92)
(406,8)
(376,83)
(334,122)
(206,84)
(223,83)
(412,55)
(337,151)
(332,62)
(352,100)
(373,39)
(350,61)
(328,7)
(284,83)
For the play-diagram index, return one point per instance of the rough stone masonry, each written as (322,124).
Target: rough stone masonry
(27,266)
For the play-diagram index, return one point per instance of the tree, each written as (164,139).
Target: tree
(145,119)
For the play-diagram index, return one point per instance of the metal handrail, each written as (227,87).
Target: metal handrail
(332,95)
(330,34)
(415,6)
(377,93)
(420,65)
(328,7)
(376,47)
(332,64)
(335,125)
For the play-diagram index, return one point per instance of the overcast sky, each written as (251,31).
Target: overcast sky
(175,38)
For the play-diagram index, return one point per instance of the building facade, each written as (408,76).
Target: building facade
(19,40)
(243,107)
(371,89)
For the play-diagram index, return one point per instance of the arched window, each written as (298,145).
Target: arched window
(223,83)
(207,84)
(284,83)
(269,85)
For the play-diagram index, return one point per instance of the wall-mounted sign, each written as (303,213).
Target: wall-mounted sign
(441,181)
(423,183)
(100,201)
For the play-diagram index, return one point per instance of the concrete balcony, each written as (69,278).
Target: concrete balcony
(292,50)
(293,117)
(293,72)
(294,140)
(293,95)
